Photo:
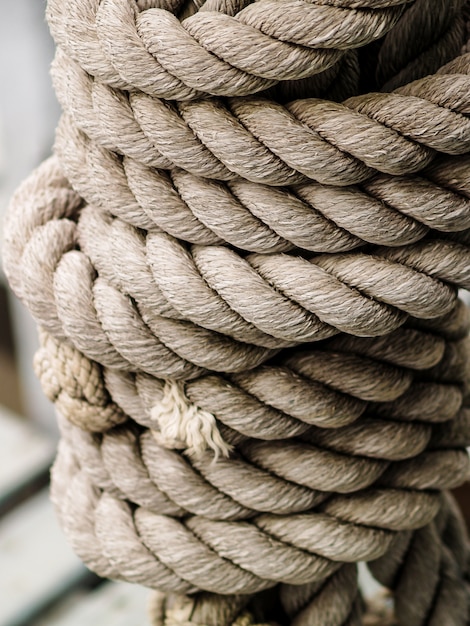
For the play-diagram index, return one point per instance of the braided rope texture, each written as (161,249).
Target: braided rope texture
(244,259)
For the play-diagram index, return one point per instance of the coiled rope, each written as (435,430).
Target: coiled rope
(244,259)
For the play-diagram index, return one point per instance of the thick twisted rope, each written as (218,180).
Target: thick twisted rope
(99,473)
(374,304)
(197,209)
(249,309)
(403,56)
(429,353)
(449,548)
(119,45)
(200,136)
(343,517)
(113,476)
(308,391)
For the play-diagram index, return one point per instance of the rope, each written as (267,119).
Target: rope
(244,259)
(263,299)
(404,57)
(117,43)
(339,141)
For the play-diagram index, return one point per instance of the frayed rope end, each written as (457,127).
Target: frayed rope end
(183,425)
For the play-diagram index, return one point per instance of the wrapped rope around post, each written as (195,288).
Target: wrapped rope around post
(248,303)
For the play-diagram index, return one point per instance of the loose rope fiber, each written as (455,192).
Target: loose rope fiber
(244,259)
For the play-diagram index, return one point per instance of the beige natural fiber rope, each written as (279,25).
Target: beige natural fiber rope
(272,41)
(244,259)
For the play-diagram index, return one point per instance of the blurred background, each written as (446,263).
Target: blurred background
(28,115)
(41,582)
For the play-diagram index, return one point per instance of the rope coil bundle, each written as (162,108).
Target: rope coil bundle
(244,259)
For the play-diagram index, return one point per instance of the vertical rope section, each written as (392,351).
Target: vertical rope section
(244,259)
